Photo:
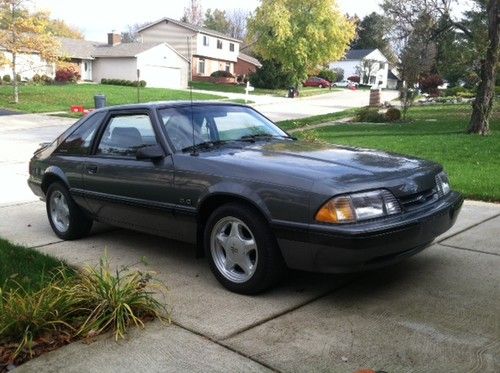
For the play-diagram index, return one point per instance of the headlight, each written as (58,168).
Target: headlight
(443,183)
(358,207)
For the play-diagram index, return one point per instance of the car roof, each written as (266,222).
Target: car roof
(167,104)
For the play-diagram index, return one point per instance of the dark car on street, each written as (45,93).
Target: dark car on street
(251,197)
(317,82)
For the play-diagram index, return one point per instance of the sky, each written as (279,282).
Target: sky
(98,17)
(95,18)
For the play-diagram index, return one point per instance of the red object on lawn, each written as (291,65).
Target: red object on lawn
(77,109)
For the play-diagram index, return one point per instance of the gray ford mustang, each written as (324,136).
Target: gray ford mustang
(252,198)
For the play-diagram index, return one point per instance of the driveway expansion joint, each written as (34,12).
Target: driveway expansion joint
(292,309)
(229,348)
(467,228)
(467,249)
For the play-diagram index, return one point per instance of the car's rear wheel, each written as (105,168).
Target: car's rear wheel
(242,251)
(66,219)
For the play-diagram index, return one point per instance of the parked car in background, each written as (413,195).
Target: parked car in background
(252,198)
(316,82)
(345,84)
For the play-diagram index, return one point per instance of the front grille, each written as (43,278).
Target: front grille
(417,200)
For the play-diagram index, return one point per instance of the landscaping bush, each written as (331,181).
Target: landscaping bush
(122,82)
(328,74)
(270,76)
(354,78)
(392,114)
(430,83)
(42,79)
(221,74)
(6,78)
(75,304)
(68,73)
(370,115)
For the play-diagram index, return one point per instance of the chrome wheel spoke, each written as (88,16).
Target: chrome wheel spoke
(59,211)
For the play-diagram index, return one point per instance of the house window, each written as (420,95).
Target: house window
(201,66)
(205,41)
(219,44)
(228,67)
(231,47)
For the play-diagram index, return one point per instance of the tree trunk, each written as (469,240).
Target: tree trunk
(14,80)
(483,104)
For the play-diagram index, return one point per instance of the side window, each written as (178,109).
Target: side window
(125,134)
(80,141)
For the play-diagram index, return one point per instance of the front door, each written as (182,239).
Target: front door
(87,70)
(124,191)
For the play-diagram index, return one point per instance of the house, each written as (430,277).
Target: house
(369,64)
(27,65)
(158,63)
(246,65)
(393,79)
(207,50)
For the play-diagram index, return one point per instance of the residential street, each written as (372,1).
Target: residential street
(435,312)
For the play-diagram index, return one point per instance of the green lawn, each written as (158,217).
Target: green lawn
(39,99)
(25,267)
(317,119)
(233,88)
(436,133)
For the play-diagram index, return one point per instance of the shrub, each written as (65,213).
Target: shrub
(122,82)
(6,78)
(430,83)
(68,73)
(270,76)
(36,79)
(42,79)
(328,74)
(392,114)
(497,90)
(354,78)
(370,115)
(221,74)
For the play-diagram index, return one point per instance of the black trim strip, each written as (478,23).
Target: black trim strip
(136,202)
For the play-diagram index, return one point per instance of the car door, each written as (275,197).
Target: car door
(123,190)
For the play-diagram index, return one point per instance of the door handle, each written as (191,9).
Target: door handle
(91,169)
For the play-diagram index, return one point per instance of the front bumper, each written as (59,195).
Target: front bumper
(363,246)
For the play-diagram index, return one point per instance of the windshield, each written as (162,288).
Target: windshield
(215,124)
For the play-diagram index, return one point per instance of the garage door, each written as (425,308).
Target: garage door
(161,76)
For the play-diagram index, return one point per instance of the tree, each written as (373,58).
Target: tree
(372,33)
(271,75)
(193,14)
(485,97)
(132,34)
(237,19)
(216,20)
(58,27)
(300,35)
(21,32)
(366,69)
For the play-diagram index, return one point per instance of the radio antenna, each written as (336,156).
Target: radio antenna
(195,150)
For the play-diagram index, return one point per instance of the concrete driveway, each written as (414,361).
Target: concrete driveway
(435,312)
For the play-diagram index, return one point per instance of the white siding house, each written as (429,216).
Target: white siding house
(27,65)
(369,64)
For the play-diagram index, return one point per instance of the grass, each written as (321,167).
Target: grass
(44,304)
(233,88)
(51,98)
(26,268)
(436,133)
(317,119)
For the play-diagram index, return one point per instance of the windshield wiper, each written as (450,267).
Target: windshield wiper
(203,145)
(259,136)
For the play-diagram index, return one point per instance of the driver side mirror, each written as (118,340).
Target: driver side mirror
(152,153)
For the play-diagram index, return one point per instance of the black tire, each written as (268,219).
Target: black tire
(79,224)
(270,266)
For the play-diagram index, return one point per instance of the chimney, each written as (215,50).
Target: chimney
(114,38)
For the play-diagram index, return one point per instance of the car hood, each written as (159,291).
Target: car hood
(331,165)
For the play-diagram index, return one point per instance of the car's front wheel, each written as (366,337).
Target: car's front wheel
(242,250)
(66,218)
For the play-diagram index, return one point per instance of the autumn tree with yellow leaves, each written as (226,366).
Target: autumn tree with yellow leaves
(300,35)
(22,33)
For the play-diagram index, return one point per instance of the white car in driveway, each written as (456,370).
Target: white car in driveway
(345,84)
